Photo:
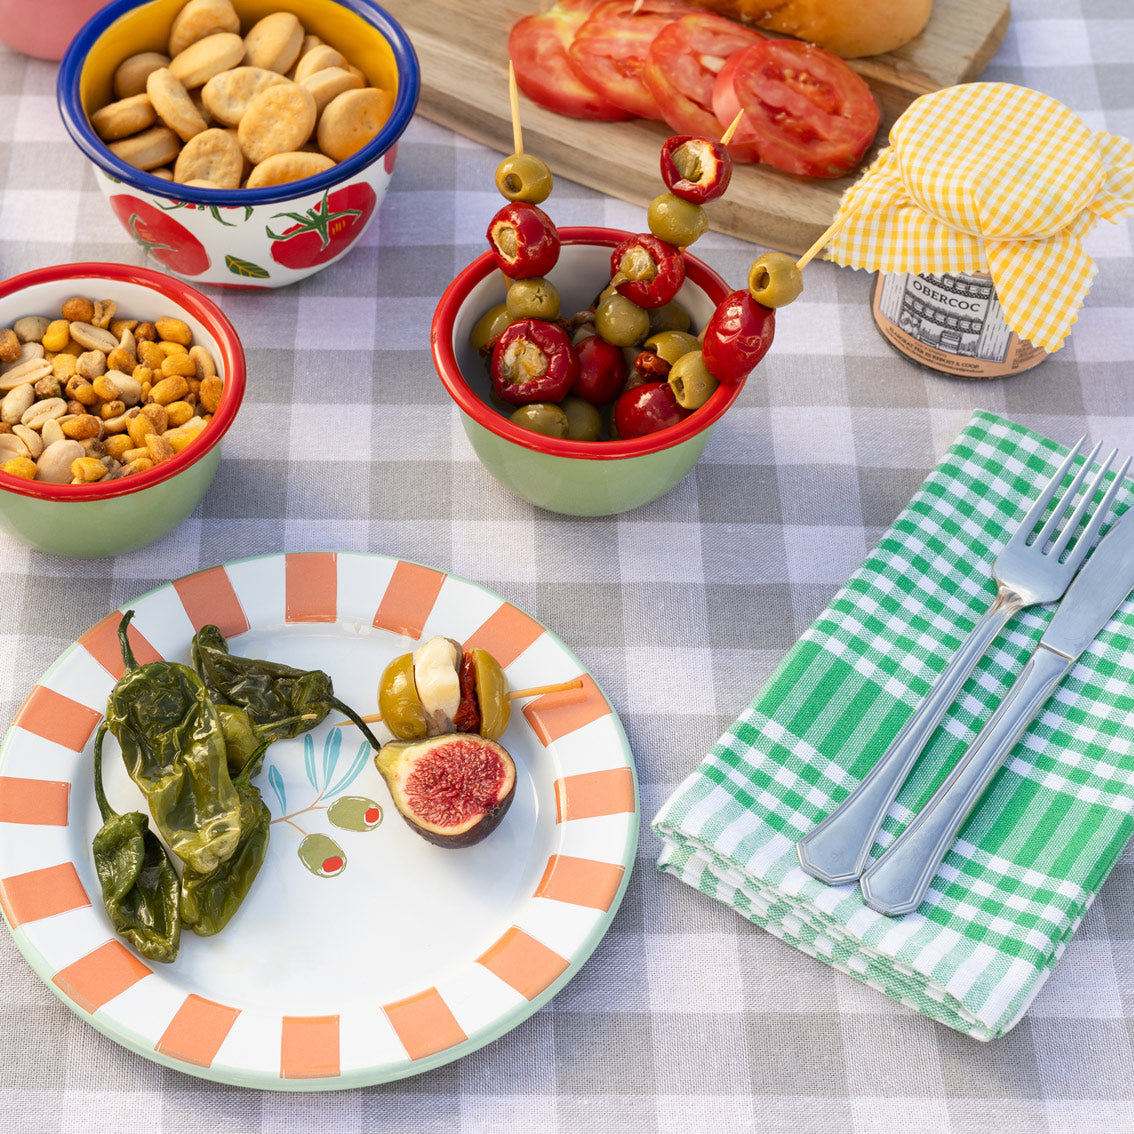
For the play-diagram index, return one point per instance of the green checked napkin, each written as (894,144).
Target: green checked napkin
(1033,854)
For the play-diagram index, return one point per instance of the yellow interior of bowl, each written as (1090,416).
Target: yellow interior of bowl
(146,28)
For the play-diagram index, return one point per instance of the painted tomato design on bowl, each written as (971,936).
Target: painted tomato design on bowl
(324,231)
(165,239)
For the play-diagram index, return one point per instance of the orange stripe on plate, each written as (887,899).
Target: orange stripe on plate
(580,881)
(590,794)
(506,634)
(41,802)
(101,642)
(57,718)
(312,582)
(554,715)
(210,598)
(100,976)
(309,1047)
(42,893)
(197,1030)
(409,599)
(424,1024)
(523,963)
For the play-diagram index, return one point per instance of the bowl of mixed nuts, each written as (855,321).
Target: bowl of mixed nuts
(117,385)
(241,143)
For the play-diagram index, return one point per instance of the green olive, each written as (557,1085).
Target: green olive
(669,317)
(535,298)
(690,380)
(491,694)
(584,422)
(489,327)
(621,321)
(676,221)
(671,345)
(522,177)
(398,701)
(541,417)
(774,279)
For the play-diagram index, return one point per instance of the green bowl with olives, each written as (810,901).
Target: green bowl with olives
(576,478)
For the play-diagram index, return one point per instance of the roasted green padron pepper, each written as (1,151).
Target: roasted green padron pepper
(209,900)
(280,701)
(174,748)
(137,876)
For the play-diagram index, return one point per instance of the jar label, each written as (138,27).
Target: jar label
(951,323)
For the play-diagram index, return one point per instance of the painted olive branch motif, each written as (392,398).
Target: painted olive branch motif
(321,854)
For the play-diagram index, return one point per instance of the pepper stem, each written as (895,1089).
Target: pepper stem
(347,711)
(104,808)
(128,658)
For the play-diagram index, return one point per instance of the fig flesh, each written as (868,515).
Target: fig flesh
(451,789)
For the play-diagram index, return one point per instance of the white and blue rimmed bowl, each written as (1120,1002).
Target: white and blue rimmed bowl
(243,237)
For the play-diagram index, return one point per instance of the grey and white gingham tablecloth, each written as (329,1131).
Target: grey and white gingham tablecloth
(686,1019)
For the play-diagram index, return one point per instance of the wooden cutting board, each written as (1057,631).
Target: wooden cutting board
(463,49)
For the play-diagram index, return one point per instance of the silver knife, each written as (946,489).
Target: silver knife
(896,882)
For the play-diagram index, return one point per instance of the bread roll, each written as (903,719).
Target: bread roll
(848,28)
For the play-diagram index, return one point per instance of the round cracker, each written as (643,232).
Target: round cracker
(173,104)
(226,96)
(278,169)
(125,117)
(330,82)
(131,74)
(200,18)
(158,145)
(274,42)
(213,156)
(352,119)
(200,61)
(278,119)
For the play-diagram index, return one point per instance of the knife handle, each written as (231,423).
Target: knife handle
(836,849)
(897,881)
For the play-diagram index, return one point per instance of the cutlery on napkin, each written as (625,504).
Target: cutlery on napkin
(1014,887)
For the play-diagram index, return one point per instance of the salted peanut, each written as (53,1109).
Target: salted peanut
(274,42)
(125,117)
(206,367)
(352,119)
(32,440)
(54,464)
(278,169)
(131,74)
(214,156)
(316,59)
(23,467)
(90,364)
(31,328)
(87,470)
(200,61)
(210,394)
(154,147)
(128,387)
(331,82)
(42,412)
(30,371)
(51,431)
(11,446)
(16,402)
(91,337)
(226,96)
(201,18)
(171,330)
(278,120)
(174,107)
(117,444)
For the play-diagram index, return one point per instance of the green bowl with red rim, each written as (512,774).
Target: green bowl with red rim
(112,517)
(575,478)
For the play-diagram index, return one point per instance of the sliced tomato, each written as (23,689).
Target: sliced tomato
(682,65)
(805,110)
(538,46)
(610,49)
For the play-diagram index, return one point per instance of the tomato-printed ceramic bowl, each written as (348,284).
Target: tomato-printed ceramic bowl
(578,478)
(243,238)
(112,517)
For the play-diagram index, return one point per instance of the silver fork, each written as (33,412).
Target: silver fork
(1027,571)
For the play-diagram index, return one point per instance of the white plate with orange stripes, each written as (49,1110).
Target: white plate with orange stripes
(384,956)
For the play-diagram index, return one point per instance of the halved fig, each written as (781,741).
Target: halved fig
(452,789)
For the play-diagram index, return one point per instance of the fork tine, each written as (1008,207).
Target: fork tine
(1036,511)
(1072,524)
(1067,499)
(1087,539)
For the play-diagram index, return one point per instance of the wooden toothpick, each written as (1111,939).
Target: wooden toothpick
(726,137)
(514,100)
(819,244)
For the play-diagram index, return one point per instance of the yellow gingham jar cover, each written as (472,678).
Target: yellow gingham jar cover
(991,177)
